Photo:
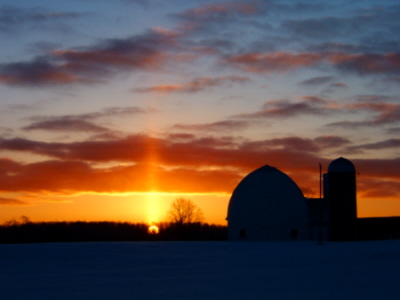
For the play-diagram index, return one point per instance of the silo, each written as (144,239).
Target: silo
(340,190)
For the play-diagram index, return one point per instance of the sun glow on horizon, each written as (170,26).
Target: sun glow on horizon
(153,229)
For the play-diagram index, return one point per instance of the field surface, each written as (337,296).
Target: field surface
(201,270)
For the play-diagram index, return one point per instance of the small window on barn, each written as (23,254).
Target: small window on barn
(294,234)
(242,233)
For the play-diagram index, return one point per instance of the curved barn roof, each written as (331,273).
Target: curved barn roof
(267,189)
(268,205)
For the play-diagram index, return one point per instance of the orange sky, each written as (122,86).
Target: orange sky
(212,192)
(111,111)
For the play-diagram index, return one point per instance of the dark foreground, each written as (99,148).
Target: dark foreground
(200,270)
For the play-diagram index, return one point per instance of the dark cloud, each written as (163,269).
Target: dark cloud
(193,86)
(362,64)
(83,122)
(383,113)
(295,144)
(142,52)
(387,113)
(328,28)
(329,141)
(387,144)
(17,15)
(348,124)
(286,109)
(216,43)
(382,169)
(66,125)
(39,71)
(228,125)
(215,13)
(128,110)
(378,188)
(315,81)
(225,20)
(393,130)
(272,62)
(112,112)
(324,27)
(340,85)
(300,144)
(375,98)
(378,178)
(333,47)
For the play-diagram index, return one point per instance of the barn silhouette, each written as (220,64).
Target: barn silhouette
(268,205)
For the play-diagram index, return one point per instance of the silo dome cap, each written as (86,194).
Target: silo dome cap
(341,165)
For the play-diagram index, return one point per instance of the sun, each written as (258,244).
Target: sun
(153,229)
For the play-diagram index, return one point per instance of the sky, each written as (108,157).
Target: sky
(113,109)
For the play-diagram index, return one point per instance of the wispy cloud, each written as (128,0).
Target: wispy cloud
(386,144)
(83,122)
(377,188)
(11,201)
(362,64)
(393,130)
(365,64)
(383,114)
(315,81)
(196,85)
(339,85)
(11,15)
(66,125)
(286,108)
(327,27)
(218,11)
(329,141)
(221,126)
(272,62)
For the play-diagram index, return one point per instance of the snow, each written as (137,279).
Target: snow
(201,270)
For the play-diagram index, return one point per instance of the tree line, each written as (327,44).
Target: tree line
(40,232)
(185,224)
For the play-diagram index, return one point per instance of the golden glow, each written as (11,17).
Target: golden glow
(378,207)
(154,210)
(137,207)
(153,229)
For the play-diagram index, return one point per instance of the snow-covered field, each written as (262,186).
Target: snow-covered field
(201,270)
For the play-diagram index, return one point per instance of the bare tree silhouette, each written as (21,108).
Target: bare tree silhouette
(185,211)
(308,192)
